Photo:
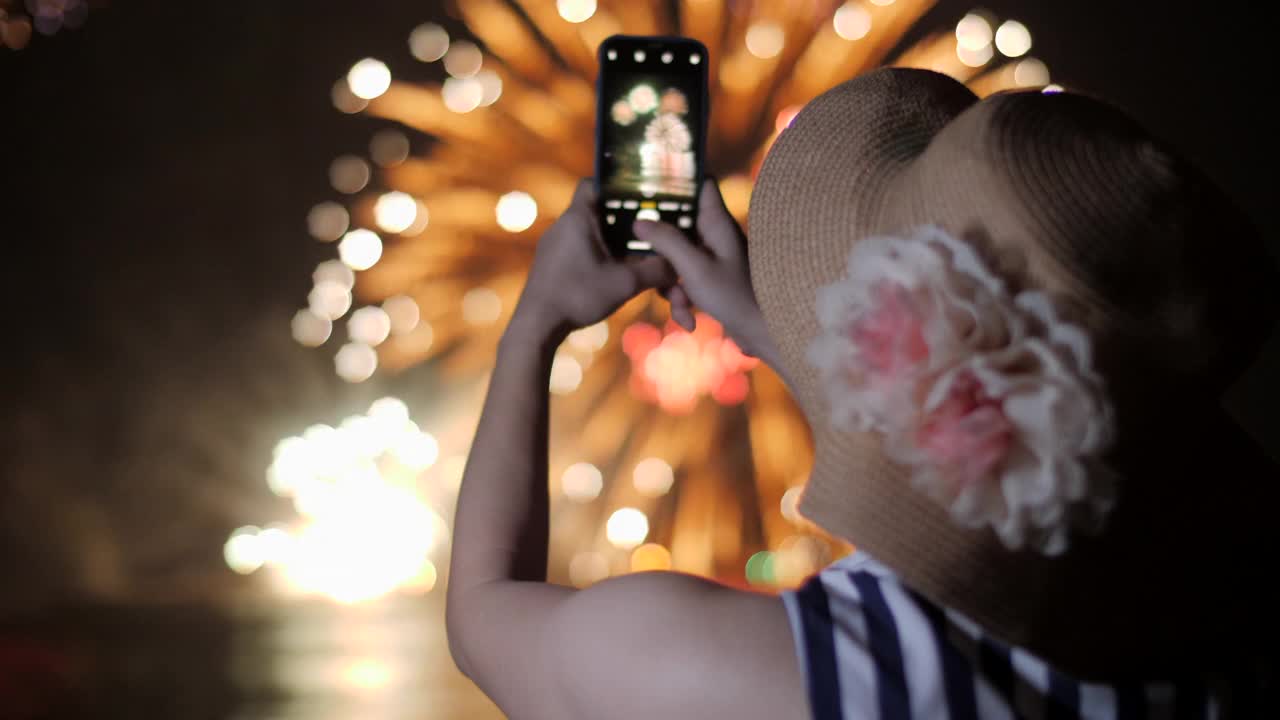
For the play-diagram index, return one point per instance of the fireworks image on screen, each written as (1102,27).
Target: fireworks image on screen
(652,142)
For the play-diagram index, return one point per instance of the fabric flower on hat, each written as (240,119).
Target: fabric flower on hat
(907,309)
(989,399)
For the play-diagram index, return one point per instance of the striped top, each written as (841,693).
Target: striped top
(871,648)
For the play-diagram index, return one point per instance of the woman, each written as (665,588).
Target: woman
(1007,322)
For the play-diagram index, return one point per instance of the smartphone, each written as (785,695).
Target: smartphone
(651,132)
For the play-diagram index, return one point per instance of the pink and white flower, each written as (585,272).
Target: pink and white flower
(990,399)
(907,309)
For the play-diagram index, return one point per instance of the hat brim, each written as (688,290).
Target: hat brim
(897,148)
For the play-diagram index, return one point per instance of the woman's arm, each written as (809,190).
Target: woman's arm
(501,523)
(640,646)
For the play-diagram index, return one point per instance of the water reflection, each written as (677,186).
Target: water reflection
(319,660)
(258,660)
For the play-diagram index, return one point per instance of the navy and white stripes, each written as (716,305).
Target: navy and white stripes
(870,648)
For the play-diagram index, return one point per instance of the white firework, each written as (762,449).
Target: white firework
(668,132)
(643,99)
(622,113)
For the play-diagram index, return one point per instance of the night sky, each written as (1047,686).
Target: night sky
(159,163)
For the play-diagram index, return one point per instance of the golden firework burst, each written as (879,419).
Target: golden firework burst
(669,449)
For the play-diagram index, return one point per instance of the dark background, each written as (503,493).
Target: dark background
(158,165)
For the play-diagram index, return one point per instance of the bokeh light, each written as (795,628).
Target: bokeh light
(395,211)
(15,32)
(975,58)
(973,32)
(369,78)
(242,551)
(765,39)
(796,558)
(403,313)
(364,531)
(292,465)
(367,674)
(389,409)
(349,174)
(355,362)
(576,11)
(462,95)
(360,249)
(1013,39)
(389,148)
(369,325)
(490,87)
(344,100)
(675,369)
(760,568)
(516,211)
(1031,73)
(428,42)
(590,338)
(327,221)
(481,306)
(582,482)
(419,339)
(566,374)
(463,59)
(649,557)
(852,21)
(627,528)
(310,328)
(785,117)
(420,221)
(329,299)
(336,272)
(367,541)
(653,477)
(275,544)
(425,580)
(417,450)
(790,506)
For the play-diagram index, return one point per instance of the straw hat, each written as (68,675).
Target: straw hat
(920,255)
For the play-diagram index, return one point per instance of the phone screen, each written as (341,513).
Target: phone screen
(650,135)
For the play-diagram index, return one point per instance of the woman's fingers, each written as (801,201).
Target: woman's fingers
(681,305)
(672,244)
(718,229)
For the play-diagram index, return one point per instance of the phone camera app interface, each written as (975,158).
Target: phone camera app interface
(650,136)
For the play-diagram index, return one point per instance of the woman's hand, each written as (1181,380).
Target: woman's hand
(714,276)
(574,281)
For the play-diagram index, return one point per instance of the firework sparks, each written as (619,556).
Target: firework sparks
(509,128)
